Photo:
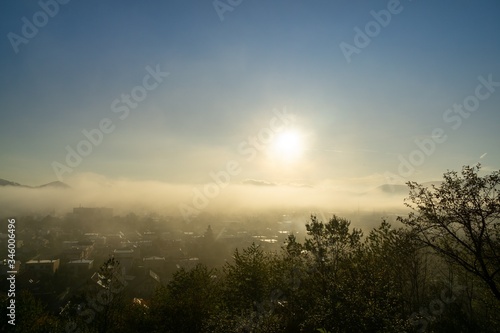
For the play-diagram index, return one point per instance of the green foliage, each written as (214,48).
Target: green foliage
(322,330)
(247,278)
(32,317)
(187,302)
(333,242)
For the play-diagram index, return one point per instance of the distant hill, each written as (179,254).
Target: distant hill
(393,189)
(56,184)
(4,182)
(401,189)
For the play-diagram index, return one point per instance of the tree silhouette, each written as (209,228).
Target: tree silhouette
(459,219)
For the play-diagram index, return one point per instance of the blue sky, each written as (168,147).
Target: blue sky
(226,77)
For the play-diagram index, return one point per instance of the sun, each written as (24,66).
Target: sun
(287,146)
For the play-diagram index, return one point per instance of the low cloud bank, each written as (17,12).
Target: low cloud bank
(92,190)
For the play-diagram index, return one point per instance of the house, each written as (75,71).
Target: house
(76,250)
(42,266)
(156,264)
(126,257)
(80,267)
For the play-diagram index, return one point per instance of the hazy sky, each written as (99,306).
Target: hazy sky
(356,103)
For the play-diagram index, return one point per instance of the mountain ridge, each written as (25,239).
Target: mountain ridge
(54,184)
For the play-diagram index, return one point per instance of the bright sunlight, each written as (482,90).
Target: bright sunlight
(287,146)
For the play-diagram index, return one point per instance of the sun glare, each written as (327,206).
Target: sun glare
(287,146)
